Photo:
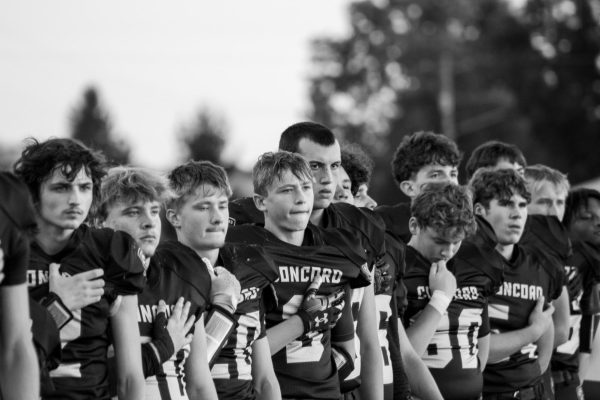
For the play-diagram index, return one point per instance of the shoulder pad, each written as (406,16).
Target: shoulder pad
(250,256)
(243,211)
(247,233)
(366,222)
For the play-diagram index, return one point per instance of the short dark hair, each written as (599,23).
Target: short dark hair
(488,184)
(358,165)
(292,135)
(39,160)
(130,184)
(420,149)
(273,165)
(577,200)
(186,178)
(445,207)
(489,153)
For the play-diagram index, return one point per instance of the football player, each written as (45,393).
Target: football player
(67,258)
(199,213)
(497,155)
(520,319)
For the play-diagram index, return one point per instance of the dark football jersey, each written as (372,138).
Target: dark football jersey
(243,211)
(175,271)
(232,371)
(452,354)
(304,367)
(526,278)
(396,219)
(84,340)
(16,217)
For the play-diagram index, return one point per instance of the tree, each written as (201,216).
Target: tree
(92,125)
(471,70)
(205,137)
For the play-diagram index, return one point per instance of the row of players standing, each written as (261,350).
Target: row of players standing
(298,328)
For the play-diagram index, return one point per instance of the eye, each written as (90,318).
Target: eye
(314,166)
(86,187)
(132,213)
(335,166)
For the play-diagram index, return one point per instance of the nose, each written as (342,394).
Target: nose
(326,175)
(371,203)
(217,216)
(74,196)
(148,221)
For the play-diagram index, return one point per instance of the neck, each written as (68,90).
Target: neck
(51,238)
(316,216)
(211,255)
(292,237)
(505,250)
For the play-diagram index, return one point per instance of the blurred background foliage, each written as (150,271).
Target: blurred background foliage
(525,73)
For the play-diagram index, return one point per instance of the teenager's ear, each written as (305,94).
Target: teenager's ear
(259,202)
(478,209)
(408,188)
(413,226)
(173,218)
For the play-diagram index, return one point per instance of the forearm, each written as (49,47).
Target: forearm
(483,352)
(371,387)
(264,380)
(283,333)
(502,345)
(19,371)
(422,330)
(199,383)
(560,318)
(545,346)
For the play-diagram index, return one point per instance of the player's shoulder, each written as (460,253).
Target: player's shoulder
(249,257)
(586,257)
(183,262)
(548,234)
(396,219)
(243,211)
(15,201)
(247,233)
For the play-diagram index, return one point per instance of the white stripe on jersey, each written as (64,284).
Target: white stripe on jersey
(382,303)
(356,298)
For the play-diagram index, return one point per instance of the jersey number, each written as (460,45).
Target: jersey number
(310,348)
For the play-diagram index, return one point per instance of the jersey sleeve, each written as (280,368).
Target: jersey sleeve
(124,270)
(243,211)
(344,329)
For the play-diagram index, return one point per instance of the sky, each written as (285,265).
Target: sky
(157,63)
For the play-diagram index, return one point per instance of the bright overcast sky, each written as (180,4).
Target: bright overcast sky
(156,63)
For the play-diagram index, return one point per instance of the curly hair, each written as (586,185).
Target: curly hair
(185,179)
(488,184)
(273,165)
(489,153)
(577,200)
(445,207)
(130,184)
(39,160)
(358,165)
(421,149)
(292,135)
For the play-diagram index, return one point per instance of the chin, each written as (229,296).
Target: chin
(321,204)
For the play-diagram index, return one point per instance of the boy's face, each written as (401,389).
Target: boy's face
(428,174)
(433,245)
(505,163)
(548,199)
(507,217)
(140,219)
(202,220)
(65,204)
(288,203)
(343,192)
(324,162)
(362,198)
(585,226)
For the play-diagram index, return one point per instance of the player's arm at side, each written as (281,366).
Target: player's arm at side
(285,332)
(421,382)
(264,380)
(126,334)
(504,344)
(19,373)
(545,347)
(560,317)
(199,383)
(483,352)
(370,351)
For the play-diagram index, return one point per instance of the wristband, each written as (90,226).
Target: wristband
(440,301)
(163,348)
(218,326)
(151,364)
(57,309)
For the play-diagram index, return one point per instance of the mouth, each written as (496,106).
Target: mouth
(148,238)
(215,230)
(300,212)
(74,212)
